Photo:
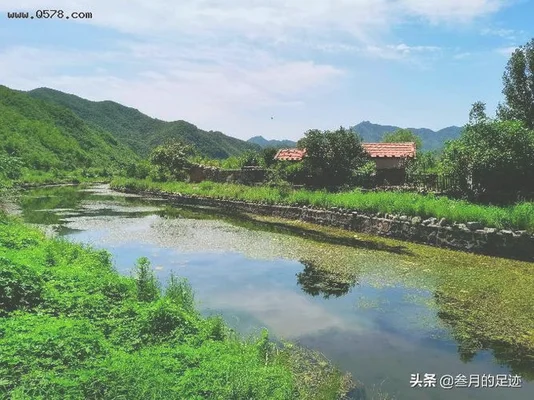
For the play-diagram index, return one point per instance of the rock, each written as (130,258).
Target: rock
(507,232)
(416,220)
(463,227)
(490,230)
(523,233)
(443,222)
(474,226)
(403,218)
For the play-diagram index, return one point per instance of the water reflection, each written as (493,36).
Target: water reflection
(316,281)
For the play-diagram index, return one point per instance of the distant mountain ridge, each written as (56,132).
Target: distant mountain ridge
(141,132)
(370,133)
(263,143)
(432,140)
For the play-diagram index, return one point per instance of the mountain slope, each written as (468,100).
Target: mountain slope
(432,140)
(45,136)
(140,131)
(263,143)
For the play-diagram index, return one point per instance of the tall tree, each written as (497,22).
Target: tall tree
(172,159)
(491,155)
(518,80)
(403,135)
(332,156)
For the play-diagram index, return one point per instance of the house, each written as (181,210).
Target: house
(290,155)
(390,159)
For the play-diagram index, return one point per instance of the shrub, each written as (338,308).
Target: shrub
(20,286)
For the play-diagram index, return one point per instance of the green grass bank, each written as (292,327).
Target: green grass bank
(71,327)
(517,217)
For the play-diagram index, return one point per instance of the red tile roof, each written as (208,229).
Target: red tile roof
(290,154)
(396,150)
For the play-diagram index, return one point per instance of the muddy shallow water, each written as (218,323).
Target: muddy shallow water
(372,310)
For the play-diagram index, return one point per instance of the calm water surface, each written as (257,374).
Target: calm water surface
(369,323)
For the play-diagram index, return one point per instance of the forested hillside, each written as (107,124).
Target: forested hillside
(278,144)
(432,140)
(141,132)
(44,136)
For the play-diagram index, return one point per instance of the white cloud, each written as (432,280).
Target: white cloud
(166,83)
(461,56)
(399,51)
(506,51)
(452,10)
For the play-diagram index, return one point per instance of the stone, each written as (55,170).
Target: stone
(474,226)
(403,218)
(416,220)
(464,228)
(507,232)
(443,222)
(490,230)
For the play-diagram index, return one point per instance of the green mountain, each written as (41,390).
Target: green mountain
(45,136)
(279,144)
(432,140)
(141,132)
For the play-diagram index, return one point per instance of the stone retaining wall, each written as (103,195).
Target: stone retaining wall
(471,237)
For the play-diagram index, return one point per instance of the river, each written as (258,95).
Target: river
(371,309)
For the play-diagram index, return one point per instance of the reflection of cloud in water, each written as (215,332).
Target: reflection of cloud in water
(286,313)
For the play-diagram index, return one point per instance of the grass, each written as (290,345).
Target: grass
(518,217)
(71,327)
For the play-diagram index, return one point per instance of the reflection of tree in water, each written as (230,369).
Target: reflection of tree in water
(317,281)
(471,339)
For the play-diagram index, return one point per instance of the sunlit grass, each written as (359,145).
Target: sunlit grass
(519,216)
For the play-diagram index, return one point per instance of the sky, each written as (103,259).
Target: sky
(273,68)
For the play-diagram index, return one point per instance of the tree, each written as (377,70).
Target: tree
(491,155)
(172,159)
(267,157)
(477,113)
(332,156)
(518,81)
(403,135)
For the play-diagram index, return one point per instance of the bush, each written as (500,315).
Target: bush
(146,281)
(20,286)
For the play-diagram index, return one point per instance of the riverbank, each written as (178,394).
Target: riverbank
(470,235)
(72,327)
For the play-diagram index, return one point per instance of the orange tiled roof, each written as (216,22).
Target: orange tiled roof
(290,154)
(396,150)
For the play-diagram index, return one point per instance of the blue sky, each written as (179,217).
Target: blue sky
(230,65)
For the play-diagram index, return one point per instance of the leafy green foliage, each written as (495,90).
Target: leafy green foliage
(332,156)
(403,135)
(43,136)
(493,155)
(519,216)
(141,132)
(179,291)
(146,281)
(171,159)
(518,81)
(20,286)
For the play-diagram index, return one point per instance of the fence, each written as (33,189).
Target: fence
(437,182)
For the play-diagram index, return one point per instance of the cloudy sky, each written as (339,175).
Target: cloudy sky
(231,65)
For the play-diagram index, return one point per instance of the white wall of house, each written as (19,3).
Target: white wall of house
(389,162)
